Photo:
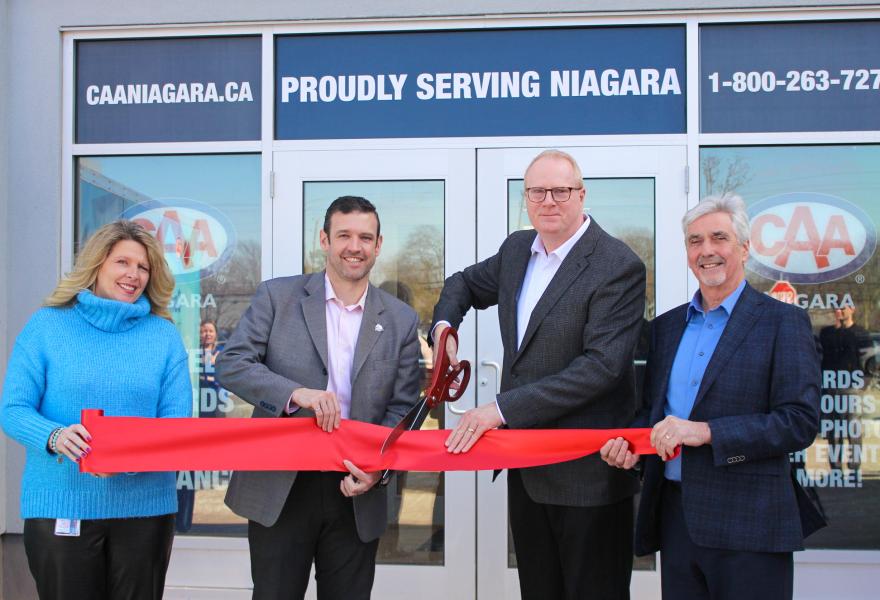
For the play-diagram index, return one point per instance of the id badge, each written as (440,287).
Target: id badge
(67,527)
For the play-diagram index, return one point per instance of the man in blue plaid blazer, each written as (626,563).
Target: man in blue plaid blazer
(733,380)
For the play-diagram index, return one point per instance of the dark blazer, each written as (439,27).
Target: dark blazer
(760,396)
(280,344)
(575,366)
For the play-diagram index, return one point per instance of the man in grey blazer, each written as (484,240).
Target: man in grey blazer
(323,346)
(571,300)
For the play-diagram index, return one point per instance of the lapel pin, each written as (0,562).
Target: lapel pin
(379,327)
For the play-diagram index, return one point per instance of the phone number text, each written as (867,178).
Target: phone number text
(798,81)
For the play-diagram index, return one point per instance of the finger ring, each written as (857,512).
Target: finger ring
(667,436)
(470,429)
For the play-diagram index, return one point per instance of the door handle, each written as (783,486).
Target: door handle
(483,382)
(495,367)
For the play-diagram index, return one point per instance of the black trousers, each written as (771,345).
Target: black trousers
(112,559)
(316,524)
(570,552)
(691,572)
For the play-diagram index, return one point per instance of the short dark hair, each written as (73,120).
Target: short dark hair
(350,204)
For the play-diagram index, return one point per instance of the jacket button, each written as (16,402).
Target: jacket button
(324,371)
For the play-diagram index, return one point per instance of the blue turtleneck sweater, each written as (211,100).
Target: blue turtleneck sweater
(100,354)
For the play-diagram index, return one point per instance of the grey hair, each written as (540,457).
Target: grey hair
(559,155)
(728,203)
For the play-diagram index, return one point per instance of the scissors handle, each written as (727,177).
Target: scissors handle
(457,388)
(448,382)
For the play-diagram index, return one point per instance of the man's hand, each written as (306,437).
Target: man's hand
(321,402)
(616,453)
(672,432)
(357,482)
(451,346)
(473,424)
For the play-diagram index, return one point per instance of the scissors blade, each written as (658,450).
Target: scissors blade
(412,420)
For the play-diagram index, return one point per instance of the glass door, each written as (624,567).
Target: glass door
(448,534)
(426,205)
(638,195)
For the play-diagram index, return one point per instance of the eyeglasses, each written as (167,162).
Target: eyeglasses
(559,194)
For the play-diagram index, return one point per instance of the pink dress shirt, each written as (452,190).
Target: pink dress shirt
(343,326)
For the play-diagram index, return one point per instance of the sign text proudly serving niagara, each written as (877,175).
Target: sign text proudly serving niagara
(608,80)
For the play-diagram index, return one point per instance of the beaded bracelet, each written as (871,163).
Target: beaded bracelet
(53,439)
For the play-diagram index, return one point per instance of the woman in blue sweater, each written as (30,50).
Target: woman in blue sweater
(103,340)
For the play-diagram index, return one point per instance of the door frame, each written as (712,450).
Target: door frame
(667,165)
(456,167)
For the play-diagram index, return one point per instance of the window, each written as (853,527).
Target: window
(814,212)
(206,212)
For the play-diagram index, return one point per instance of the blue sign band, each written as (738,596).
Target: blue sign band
(790,77)
(168,90)
(602,80)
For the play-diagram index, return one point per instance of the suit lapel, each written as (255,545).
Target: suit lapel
(575,263)
(745,315)
(370,330)
(314,312)
(663,356)
(507,310)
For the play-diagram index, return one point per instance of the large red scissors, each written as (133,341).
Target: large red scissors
(448,383)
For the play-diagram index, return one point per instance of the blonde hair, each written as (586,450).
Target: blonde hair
(558,155)
(96,250)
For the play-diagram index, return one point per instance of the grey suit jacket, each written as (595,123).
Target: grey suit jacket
(574,368)
(280,344)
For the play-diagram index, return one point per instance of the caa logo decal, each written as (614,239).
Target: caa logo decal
(805,237)
(198,239)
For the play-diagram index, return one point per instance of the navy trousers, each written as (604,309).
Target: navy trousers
(691,572)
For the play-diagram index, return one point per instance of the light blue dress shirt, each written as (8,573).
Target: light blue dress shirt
(701,336)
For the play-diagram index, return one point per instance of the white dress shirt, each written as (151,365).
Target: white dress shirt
(539,273)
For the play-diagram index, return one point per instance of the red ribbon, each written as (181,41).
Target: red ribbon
(131,444)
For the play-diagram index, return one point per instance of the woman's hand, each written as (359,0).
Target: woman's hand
(73,442)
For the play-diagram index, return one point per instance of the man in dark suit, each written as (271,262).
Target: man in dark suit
(732,379)
(325,346)
(570,304)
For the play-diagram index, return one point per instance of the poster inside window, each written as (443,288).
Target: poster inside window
(205,211)
(814,216)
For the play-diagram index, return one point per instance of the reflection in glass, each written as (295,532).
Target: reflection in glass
(410,266)
(205,210)
(624,207)
(810,229)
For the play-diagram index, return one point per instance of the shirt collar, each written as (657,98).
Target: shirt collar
(330,294)
(696,305)
(564,249)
